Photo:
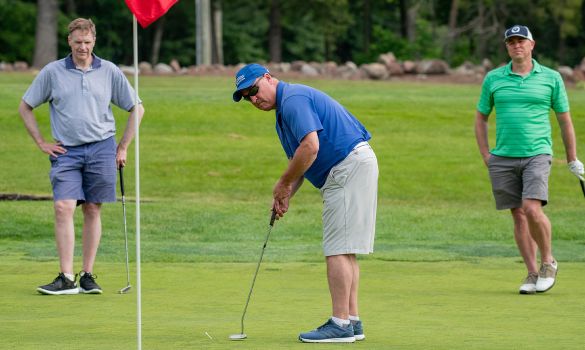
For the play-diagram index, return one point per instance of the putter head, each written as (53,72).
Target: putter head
(240,336)
(125,289)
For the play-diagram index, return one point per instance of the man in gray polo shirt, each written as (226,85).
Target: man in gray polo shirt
(83,155)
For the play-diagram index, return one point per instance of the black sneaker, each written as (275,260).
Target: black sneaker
(60,286)
(87,283)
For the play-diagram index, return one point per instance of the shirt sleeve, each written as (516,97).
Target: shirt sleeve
(560,101)
(39,91)
(300,116)
(486,99)
(122,91)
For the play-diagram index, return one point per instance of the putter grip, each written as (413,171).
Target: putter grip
(122,180)
(272,218)
(582,186)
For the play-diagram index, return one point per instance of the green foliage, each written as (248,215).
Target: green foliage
(17,30)
(319,30)
(388,41)
(305,42)
(245,25)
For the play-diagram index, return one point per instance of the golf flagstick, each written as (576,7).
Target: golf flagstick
(128,286)
(242,335)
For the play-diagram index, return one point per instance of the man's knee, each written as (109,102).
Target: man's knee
(91,209)
(64,208)
(532,209)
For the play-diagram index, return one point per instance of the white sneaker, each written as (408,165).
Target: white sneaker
(529,284)
(546,277)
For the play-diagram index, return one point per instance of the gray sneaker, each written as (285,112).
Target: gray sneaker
(60,286)
(529,284)
(546,277)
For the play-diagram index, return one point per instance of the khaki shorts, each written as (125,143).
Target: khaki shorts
(350,197)
(515,179)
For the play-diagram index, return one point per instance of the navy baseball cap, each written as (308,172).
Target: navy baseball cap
(246,76)
(518,30)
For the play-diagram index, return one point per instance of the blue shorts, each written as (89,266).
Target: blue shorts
(86,173)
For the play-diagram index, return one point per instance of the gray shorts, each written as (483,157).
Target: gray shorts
(515,179)
(350,197)
(86,173)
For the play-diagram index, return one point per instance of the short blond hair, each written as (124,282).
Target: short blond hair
(83,25)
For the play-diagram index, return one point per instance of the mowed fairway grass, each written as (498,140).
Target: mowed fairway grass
(444,274)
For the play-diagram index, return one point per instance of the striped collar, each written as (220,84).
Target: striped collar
(95,63)
(536,68)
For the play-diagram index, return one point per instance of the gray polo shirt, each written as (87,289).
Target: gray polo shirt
(79,101)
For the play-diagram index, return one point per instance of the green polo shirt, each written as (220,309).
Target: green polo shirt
(523,108)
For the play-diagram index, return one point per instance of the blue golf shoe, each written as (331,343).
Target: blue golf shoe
(329,332)
(358,330)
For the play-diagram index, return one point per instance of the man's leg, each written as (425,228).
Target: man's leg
(355,285)
(340,275)
(64,233)
(539,227)
(92,232)
(526,244)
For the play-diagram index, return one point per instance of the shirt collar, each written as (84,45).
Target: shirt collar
(536,68)
(279,92)
(95,63)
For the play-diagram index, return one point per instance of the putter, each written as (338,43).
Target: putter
(582,186)
(128,286)
(242,335)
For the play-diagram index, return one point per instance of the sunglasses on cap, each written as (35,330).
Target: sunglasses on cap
(252,91)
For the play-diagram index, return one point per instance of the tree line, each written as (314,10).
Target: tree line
(35,31)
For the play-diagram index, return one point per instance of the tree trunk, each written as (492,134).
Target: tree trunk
(203,31)
(452,34)
(481,44)
(46,33)
(275,32)
(156,41)
(367,33)
(411,15)
(404,18)
(217,43)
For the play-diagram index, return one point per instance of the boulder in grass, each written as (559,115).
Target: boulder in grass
(145,67)
(375,71)
(566,73)
(162,68)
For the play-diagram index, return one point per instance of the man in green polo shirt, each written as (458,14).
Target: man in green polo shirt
(523,92)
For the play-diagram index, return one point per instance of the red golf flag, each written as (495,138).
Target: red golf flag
(148,11)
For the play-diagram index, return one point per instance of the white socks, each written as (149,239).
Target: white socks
(69,276)
(340,322)
(354,318)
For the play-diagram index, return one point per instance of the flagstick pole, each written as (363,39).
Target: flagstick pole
(137,144)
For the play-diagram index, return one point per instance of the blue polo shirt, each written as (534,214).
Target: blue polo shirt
(79,102)
(301,110)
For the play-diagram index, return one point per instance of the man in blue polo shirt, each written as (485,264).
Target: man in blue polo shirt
(523,93)
(327,145)
(83,155)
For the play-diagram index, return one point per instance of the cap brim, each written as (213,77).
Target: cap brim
(237,96)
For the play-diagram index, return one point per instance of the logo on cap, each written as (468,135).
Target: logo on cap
(516,29)
(239,79)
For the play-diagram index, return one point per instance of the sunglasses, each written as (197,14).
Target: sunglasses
(252,91)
